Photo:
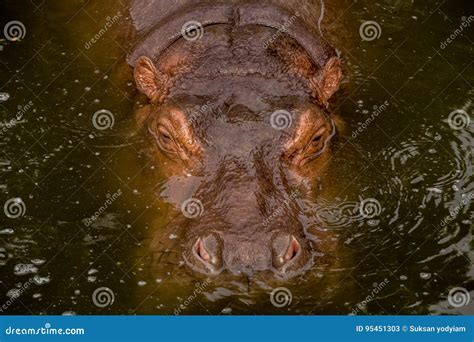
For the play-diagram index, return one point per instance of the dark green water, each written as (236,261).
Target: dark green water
(406,153)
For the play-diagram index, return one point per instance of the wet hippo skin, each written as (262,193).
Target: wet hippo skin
(240,107)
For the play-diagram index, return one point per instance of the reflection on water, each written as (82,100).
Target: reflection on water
(392,214)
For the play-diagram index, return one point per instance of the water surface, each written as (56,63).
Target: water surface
(396,199)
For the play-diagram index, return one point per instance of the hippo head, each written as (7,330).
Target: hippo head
(238,120)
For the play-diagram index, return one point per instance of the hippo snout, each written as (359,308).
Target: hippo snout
(212,253)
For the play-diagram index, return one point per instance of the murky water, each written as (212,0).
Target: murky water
(81,204)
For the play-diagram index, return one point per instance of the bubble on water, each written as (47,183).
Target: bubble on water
(77,292)
(141,283)
(439,191)
(91,279)
(173,236)
(6,231)
(68,313)
(38,262)
(403,277)
(4,97)
(14,293)
(37,295)
(373,223)
(158,280)
(41,280)
(92,271)
(226,311)
(425,275)
(22,269)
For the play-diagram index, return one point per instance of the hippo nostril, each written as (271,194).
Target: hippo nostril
(201,250)
(293,249)
(207,249)
(285,249)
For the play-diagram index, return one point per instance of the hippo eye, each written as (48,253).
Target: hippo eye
(164,139)
(316,140)
(165,136)
(315,147)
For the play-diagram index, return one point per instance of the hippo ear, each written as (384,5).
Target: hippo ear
(327,81)
(149,80)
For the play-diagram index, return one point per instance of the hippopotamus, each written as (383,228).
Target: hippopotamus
(237,114)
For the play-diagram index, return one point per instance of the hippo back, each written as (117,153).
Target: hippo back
(147,13)
(159,25)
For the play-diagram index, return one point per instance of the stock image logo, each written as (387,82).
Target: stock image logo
(103,119)
(370,208)
(459,119)
(14,208)
(459,297)
(103,297)
(14,31)
(281,297)
(192,208)
(370,30)
(281,119)
(192,30)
